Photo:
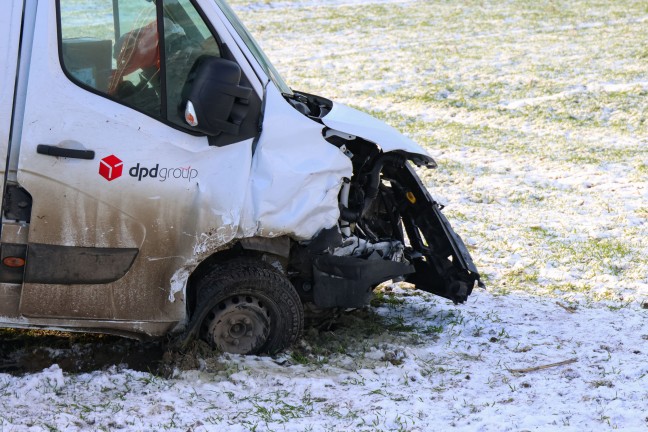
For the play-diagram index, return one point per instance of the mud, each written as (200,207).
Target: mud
(32,351)
(28,351)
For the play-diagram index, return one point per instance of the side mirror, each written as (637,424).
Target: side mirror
(214,102)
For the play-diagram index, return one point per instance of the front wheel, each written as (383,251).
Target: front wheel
(249,308)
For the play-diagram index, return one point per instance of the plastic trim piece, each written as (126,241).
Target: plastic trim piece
(50,150)
(53,264)
(343,281)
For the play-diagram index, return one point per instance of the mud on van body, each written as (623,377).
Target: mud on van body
(161,178)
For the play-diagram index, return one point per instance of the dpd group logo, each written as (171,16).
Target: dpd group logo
(111,168)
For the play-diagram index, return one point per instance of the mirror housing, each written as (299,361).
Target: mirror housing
(214,102)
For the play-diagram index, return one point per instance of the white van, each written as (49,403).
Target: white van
(162,179)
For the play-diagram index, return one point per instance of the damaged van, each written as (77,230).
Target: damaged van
(161,179)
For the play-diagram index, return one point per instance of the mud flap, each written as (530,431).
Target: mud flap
(442,261)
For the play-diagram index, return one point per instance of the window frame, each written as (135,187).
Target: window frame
(159,7)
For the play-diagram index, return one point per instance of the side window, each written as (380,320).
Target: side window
(113,47)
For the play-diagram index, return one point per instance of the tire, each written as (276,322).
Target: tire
(248,307)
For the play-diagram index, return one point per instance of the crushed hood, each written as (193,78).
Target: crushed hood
(351,121)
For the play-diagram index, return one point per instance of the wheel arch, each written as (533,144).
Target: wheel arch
(273,251)
(222,266)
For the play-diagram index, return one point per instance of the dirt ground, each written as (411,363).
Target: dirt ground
(32,351)
(29,351)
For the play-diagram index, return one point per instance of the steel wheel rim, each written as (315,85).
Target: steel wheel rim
(239,324)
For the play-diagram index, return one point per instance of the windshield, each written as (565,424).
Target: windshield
(254,48)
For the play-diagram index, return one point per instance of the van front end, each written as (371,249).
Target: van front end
(390,227)
(399,233)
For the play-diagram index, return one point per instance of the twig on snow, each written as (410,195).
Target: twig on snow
(569,309)
(537,368)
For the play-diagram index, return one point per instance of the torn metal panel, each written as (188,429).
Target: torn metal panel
(351,121)
(296,176)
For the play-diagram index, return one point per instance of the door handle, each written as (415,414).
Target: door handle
(50,150)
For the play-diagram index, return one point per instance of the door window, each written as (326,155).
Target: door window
(113,47)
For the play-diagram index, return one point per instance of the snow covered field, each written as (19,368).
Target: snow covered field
(536,112)
(438,367)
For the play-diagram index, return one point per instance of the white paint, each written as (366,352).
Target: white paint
(140,210)
(9,42)
(178,283)
(163,258)
(211,241)
(296,176)
(25,39)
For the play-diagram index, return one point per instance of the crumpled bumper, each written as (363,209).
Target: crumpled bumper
(442,261)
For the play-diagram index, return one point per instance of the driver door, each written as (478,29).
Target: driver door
(121,190)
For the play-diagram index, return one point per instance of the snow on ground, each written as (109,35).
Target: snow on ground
(440,366)
(465,378)
(536,112)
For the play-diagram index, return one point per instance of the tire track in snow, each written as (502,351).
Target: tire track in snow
(588,88)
